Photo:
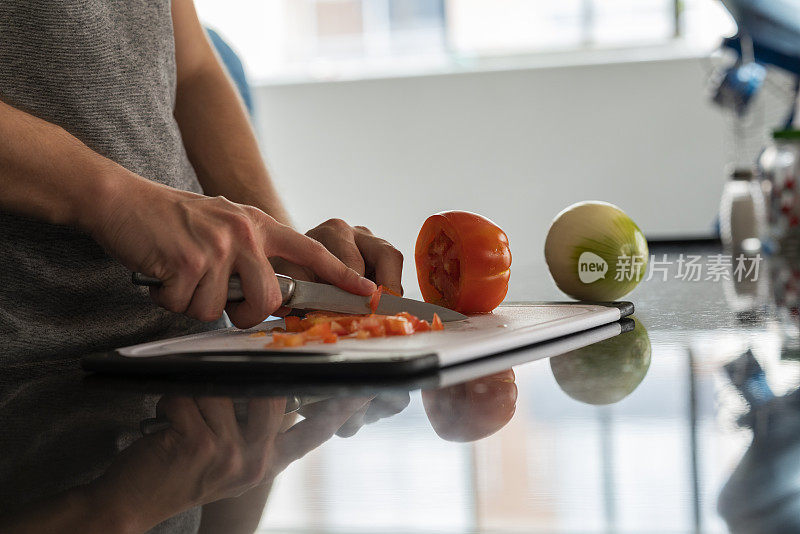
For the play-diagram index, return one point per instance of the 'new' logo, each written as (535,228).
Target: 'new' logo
(591,267)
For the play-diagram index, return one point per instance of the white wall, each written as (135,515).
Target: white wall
(514,145)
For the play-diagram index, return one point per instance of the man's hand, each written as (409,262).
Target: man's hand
(357,248)
(194,243)
(207,455)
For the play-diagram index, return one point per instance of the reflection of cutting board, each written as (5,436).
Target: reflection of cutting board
(233,350)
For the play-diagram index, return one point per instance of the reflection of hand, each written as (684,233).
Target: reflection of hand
(472,410)
(357,248)
(206,455)
(382,406)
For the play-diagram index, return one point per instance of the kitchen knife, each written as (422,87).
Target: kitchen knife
(299,294)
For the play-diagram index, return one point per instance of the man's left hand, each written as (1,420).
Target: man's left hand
(356,247)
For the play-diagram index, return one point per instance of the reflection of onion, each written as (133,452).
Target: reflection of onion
(472,410)
(594,236)
(605,372)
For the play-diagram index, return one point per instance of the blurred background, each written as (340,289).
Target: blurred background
(383,112)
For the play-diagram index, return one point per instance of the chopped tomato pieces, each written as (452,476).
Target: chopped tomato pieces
(373,324)
(389,291)
(399,326)
(287,340)
(292,323)
(330,338)
(338,329)
(329,327)
(319,330)
(422,326)
(375,300)
(327,314)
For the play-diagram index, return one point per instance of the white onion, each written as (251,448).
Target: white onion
(595,252)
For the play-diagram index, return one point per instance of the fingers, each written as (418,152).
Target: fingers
(315,429)
(354,423)
(386,405)
(210,296)
(304,251)
(182,413)
(264,418)
(337,236)
(219,415)
(262,295)
(385,260)
(175,292)
(279,265)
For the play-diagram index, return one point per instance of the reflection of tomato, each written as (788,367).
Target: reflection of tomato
(472,410)
(463,262)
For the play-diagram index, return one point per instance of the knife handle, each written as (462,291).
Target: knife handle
(234,286)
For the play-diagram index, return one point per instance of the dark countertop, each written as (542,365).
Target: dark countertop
(687,424)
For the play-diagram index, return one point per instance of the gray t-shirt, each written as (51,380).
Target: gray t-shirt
(104,70)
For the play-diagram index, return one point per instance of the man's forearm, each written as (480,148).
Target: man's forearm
(220,141)
(238,515)
(70,511)
(48,174)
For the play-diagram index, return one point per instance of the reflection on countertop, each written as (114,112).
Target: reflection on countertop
(687,423)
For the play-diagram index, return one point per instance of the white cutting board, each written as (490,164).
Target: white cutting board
(506,328)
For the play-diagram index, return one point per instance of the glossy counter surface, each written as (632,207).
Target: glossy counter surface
(689,423)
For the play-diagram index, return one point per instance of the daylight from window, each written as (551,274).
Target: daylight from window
(330,39)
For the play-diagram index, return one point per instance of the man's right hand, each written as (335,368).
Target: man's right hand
(194,243)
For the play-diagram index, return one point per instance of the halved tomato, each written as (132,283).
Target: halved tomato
(463,262)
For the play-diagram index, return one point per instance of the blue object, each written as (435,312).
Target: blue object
(234,66)
(750,379)
(773,25)
(773,28)
(766,55)
(738,86)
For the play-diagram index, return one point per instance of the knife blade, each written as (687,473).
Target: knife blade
(299,294)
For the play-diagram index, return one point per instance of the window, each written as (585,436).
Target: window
(335,38)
